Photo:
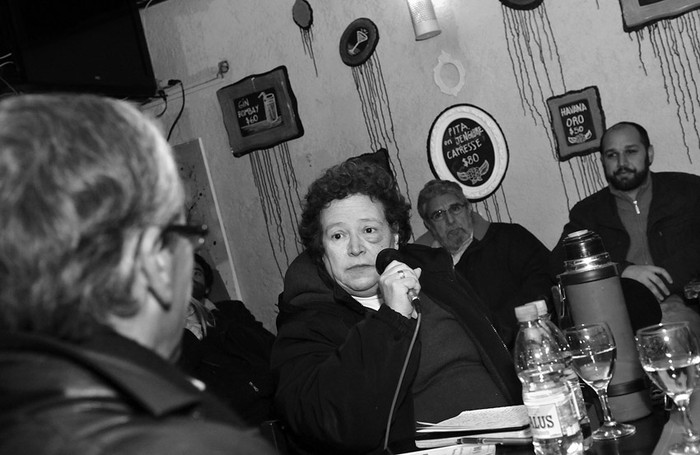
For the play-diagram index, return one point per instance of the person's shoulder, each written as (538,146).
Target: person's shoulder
(515,237)
(183,436)
(601,199)
(511,230)
(675,178)
(595,198)
(415,255)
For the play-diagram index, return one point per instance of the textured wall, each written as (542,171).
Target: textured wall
(581,43)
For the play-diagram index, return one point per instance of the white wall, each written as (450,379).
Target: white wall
(188,38)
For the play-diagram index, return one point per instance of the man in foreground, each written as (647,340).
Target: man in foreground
(95,279)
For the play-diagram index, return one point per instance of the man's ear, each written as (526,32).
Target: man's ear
(156,264)
(650,154)
(428,226)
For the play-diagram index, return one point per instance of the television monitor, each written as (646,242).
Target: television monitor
(94,46)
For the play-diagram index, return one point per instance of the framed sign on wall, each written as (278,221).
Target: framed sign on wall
(636,14)
(467,146)
(260,111)
(578,122)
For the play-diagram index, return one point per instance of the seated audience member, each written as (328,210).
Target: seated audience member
(504,263)
(345,331)
(225,347)
(95,266)
(649,222)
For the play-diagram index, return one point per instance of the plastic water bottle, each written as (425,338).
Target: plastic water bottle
(548,398)
(571,378)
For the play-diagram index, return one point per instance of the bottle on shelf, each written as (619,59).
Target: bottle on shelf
(544,318)
(550,402)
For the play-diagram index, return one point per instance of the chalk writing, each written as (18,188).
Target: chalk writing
(257,112)
(468,151)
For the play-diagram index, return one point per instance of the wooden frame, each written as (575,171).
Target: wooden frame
(637,14)
(260,111)
(467,146)
(202,207)
(578,122)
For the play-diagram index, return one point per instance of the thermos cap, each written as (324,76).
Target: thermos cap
(582,244)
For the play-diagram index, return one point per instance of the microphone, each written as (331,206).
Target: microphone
(384,258)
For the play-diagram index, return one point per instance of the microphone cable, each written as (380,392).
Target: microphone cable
(401,376)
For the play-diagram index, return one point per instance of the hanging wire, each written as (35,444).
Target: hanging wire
(162,95)
(9,62)
(182,107)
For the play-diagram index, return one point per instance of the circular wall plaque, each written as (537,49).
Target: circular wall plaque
(358,41)
(522,4)
(467,146)
(302,14)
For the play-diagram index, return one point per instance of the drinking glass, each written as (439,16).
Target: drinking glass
(670,356)
(593,353)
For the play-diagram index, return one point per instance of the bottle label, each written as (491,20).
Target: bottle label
(551,415)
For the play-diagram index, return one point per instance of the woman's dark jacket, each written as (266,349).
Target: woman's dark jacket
(109,396)
(338,363)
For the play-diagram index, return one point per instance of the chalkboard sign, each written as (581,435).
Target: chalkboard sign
(637,14)
(467,146)
(257,112)
(260,111)
(577,121)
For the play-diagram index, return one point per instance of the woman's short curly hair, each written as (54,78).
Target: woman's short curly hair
(354,176)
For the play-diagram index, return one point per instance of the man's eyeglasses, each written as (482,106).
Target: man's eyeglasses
(195,233)
(454,209)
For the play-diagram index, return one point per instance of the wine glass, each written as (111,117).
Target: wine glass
(670,356)
(593,353)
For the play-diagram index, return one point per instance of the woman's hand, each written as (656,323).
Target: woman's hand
(395,284)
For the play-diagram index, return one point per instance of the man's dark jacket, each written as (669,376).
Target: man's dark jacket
(507,266)
(338,363)
(673,227)
(108,396)
(233,360)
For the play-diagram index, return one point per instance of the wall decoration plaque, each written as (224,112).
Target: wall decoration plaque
(358,42)
(467,146)
(578,122)
(260,111)
(637,14)
(522,4)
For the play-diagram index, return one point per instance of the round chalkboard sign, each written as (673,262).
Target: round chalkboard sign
(358,42)
(522,4)
(467,146)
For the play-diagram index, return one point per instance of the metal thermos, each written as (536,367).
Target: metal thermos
(592,292)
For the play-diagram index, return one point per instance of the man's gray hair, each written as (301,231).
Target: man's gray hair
(437,188)
(81,177)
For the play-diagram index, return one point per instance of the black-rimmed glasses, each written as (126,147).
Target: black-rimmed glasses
(195,233)
(454,209)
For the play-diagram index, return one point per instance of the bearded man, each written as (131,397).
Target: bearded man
(649,222)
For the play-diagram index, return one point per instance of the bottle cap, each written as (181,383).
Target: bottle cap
(540,306)
(525,312)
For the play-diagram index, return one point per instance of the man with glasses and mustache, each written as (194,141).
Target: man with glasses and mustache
(505,264)
(95,279)
(649,222)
